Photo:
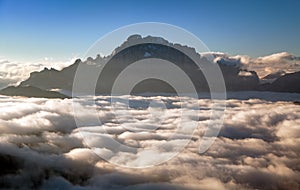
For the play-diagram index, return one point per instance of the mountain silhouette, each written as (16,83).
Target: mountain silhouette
(286,83)
(137,48)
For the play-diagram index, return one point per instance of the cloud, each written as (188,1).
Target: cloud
(277,62)
(226,59)
(12,72)
(41,147)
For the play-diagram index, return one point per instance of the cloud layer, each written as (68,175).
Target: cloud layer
(41,147)
(12,73)
(274,63)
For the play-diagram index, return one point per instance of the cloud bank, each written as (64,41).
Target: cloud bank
(41,147)
(279,62)
(11,72)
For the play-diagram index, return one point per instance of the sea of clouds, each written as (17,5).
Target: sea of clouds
(257,147)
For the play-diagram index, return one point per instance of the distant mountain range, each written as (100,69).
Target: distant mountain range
(138,48)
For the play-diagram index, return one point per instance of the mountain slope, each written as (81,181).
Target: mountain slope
(286,83)
(53,79)
(30,91)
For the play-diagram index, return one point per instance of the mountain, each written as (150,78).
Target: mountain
(30,91)
(286,83)
(272,77)
(137,48)
(48,79)
(275,75)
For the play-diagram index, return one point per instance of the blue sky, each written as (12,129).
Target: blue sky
(30,30)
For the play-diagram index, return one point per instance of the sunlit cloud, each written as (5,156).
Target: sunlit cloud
(12,72)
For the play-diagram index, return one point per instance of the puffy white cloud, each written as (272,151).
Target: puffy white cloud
(12,72)
(277,62)
(283,62)
(41,147)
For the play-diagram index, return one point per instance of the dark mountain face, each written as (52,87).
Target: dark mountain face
(275,75)
(29,91)
(128,56)
(286,83)
(236,79)
(53,79)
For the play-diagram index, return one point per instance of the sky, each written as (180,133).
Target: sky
(31,30)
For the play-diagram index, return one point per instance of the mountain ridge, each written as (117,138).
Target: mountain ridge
(236,78)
